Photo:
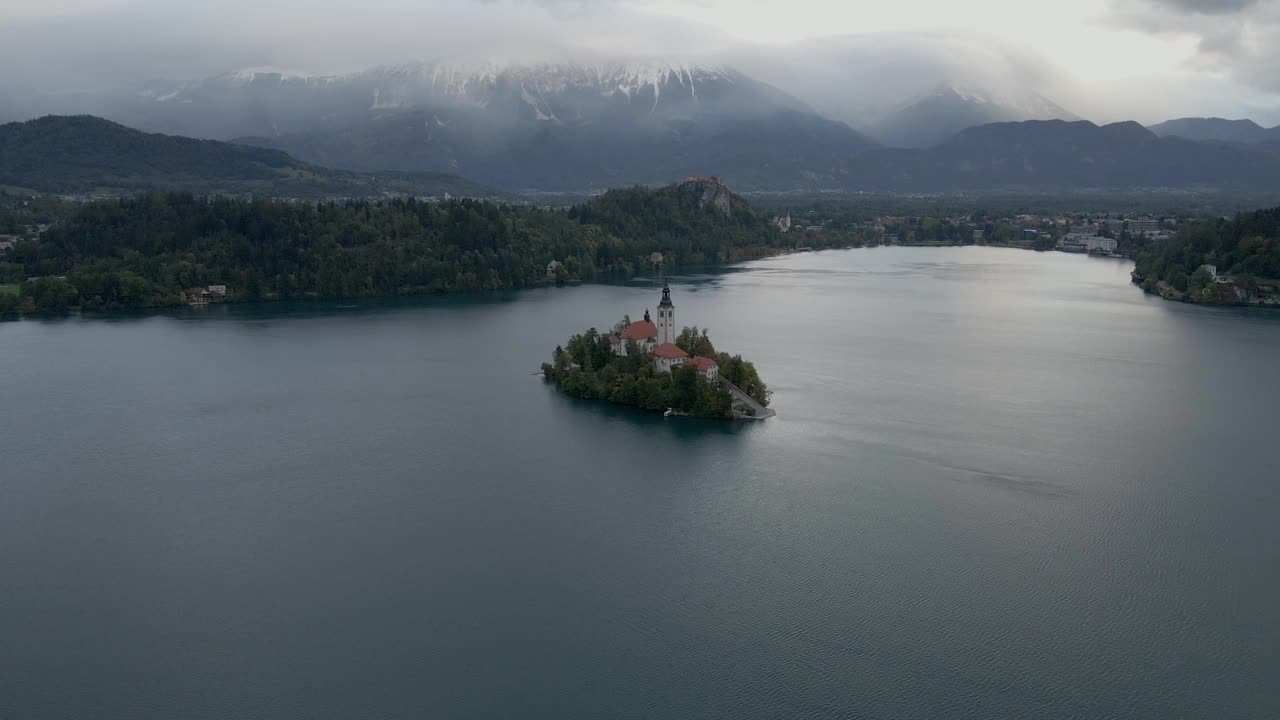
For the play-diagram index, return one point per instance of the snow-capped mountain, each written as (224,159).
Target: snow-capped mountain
(546,125)
(571,126)
(933,117)
(550,91)
(265,102)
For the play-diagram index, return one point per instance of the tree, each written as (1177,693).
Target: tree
(695,342)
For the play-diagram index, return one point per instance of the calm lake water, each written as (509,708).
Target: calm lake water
(1001,484)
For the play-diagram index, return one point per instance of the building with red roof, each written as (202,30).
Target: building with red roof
(707,368)
(643,334)
(641,331)
(659,339)
(667,356)
(670,351)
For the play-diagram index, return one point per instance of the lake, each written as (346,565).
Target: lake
(1000,484)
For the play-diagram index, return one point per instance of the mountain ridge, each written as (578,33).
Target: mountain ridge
(1215,129)
(87,154)
(1061,155)
(932,117)
(573,127)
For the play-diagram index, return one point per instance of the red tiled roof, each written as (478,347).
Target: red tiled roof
(642,330)
(703,363)
(669,351)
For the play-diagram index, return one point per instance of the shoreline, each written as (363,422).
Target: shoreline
(598,279)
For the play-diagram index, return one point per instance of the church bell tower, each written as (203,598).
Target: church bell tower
(666,317)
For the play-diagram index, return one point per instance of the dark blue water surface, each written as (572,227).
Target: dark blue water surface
(1001,484)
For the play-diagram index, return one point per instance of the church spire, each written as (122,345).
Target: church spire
(666,317)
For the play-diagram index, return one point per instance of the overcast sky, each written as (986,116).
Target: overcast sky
(1106,59)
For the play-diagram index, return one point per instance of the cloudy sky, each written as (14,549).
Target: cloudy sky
(1105,59)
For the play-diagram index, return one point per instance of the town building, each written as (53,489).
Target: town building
(643,334)
(668,356)
(1144,226)
(659,339)
(1078,242)
(709,369)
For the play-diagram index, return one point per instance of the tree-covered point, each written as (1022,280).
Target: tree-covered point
(151,250)
(1245,248)
(587,368)
(699,222)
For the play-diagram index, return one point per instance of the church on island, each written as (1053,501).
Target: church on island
(660,341)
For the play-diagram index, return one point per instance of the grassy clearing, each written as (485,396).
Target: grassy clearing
(8,289)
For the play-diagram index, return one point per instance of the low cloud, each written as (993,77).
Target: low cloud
(1239,39)
(1207,7)
(562,8)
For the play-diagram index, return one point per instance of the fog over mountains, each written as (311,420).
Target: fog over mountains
(921,114)
(569,126)
(902,96)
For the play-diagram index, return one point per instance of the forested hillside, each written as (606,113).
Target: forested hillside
(86,154)
(1245,249)
(153,250)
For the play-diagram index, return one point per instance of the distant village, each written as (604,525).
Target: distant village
(1103,234)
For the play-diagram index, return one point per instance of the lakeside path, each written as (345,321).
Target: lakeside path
(740,397)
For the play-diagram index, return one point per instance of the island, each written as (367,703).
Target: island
(648,365)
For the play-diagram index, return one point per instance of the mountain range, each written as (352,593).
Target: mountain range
(552,127)
(934,117)
(1218,130)
(1060,155)
(575,128)
(83,154)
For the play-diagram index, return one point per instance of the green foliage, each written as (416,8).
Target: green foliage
(743,374)
(52,294)
(10,300)
(695,342)
(150,250)
(586,368)
(1246,247)
(681,221)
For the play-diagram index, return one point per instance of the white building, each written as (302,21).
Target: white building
(666,317)
(667,356)
(709,369)
(1078,242)
(643,334)
(659,339)
(1143,226)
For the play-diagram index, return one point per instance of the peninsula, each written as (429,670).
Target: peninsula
(648,365)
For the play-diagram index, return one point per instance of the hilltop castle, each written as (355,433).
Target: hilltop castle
(660,340)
